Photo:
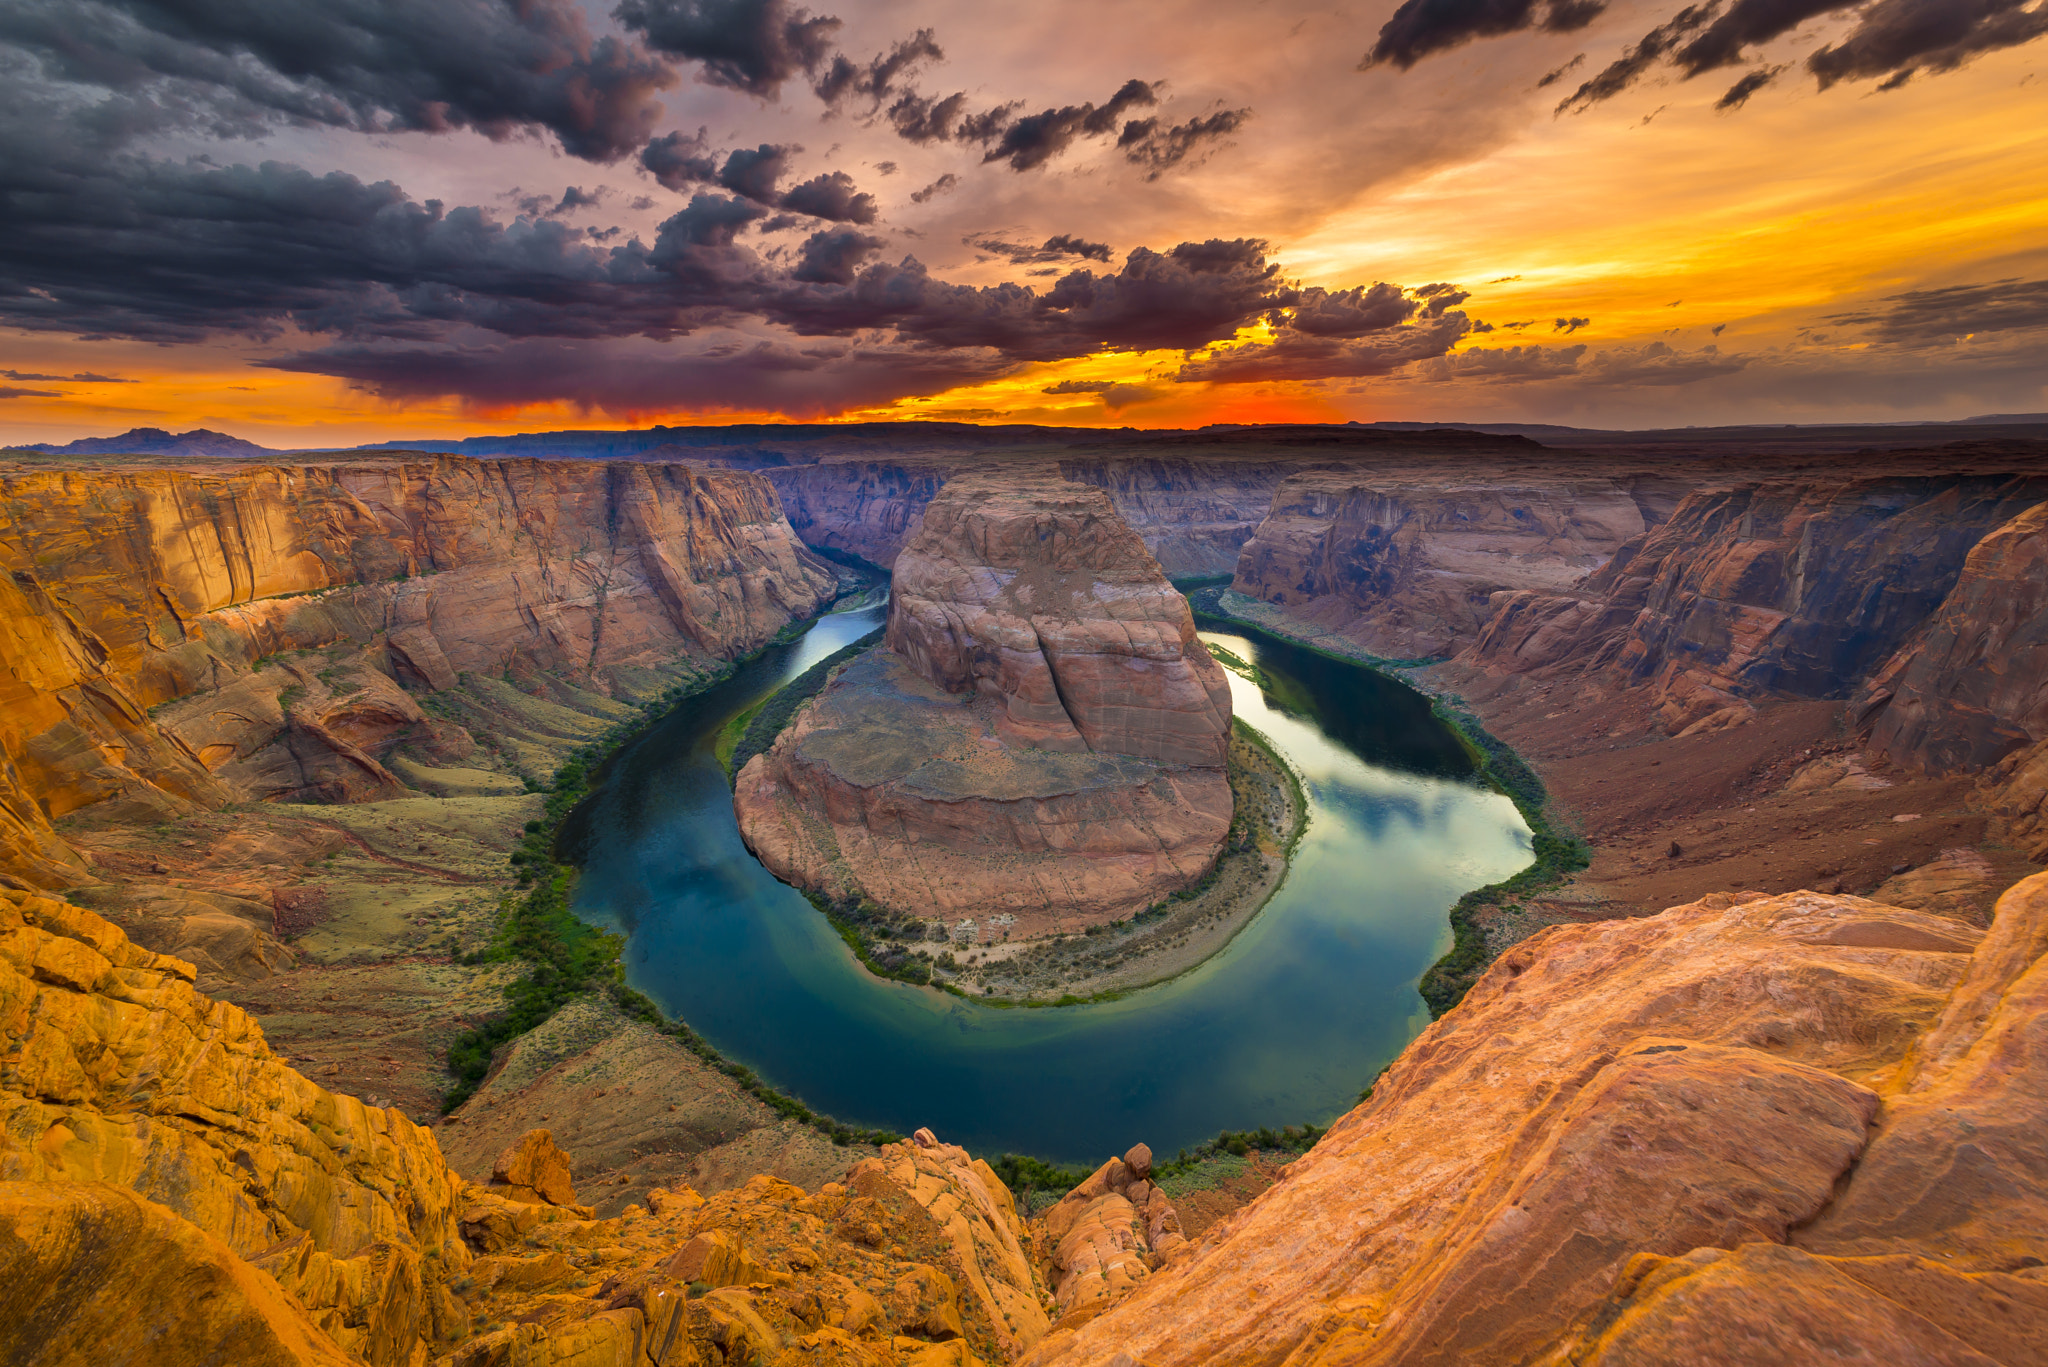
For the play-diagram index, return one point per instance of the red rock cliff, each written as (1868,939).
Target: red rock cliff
(128,588)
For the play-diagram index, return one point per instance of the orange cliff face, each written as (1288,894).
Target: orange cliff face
(1041,735)
(148,614)
(1751,1130)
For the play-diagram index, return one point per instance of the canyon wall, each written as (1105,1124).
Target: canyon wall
(149,616)
(1406,563)
(1751,1130)
(1777,589)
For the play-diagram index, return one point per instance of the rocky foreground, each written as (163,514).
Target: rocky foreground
(1749,1130)
(1040,736)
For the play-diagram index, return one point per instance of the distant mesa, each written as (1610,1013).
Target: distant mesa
(1040,735)
(155,441)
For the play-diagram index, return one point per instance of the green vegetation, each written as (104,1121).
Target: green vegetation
(766,720)
(849,560)
(566,957)
(1190,583)
(1557,855)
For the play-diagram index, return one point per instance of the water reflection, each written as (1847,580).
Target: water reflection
(1284,1026)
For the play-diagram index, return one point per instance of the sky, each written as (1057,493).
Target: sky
(323,222)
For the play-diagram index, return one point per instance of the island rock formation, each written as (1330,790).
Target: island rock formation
(1041,735)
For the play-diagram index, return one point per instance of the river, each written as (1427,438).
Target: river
(1284,1026)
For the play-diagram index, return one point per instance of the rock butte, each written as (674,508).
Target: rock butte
(1040,735)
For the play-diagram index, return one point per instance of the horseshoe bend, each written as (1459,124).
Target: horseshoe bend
(802,899)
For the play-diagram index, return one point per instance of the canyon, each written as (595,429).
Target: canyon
(1764,1083)
(1039,737)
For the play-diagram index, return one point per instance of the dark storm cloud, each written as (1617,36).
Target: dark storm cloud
(1420,27)
(742,373)
(370,65)
(1652,48)
(1896,38)
(831,196)
(1060,247)
(1940,316)
(1892,40)
(843,80)
(679,161)
(832,257)
(1159,147)
(750,45)
(1035,139)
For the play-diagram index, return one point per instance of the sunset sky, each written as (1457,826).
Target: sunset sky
(323,222)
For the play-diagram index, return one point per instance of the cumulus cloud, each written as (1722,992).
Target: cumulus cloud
(1421,27)
(369,65)
(1330,334)
(750,45)
(1115,395)
(1940,316)
(1506,364)
(843,80)
(1035,139)
(831,196)
(1654,364)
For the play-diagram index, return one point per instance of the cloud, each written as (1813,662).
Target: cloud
(1115,394)
(1035,139)
(1569,325)
(8,391)
(1652,48)
(1751,82)
(843,80)
(756,172)
(1552,77)
(1939,317)
(1061,247)
(82,377)
(1420,27)
(679,161)
(1327,334)
(1892,40)
(1897,38)
(938,187)
(831,196)
(368,65)
(1507,364)
(750,45)
(1159,148)
(1656,364)
(833,256)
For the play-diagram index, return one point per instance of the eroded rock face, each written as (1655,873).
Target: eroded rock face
(1106,1236)
(193,588)
(1615,1133)
(1973,685)
(1772,589)
(1035,590)
(1041,736)
(1408,564)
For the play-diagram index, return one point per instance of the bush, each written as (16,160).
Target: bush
(774,714)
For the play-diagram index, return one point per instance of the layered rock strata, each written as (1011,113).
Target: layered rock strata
(148,616)
(1106,1236)
(1407,563)
(1041,736)
(1751,1129)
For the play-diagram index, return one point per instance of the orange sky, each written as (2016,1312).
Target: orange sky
(1652,217)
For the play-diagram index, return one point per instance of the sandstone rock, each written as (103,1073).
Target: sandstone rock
(1747,592)
(1408,564)
(1041,737)
(92,1274)
(175,583)
(1605,1091)
(1035,589)
(885,788)
(1973,684)
(534,1169)
(1106,1236)
(122,1073)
